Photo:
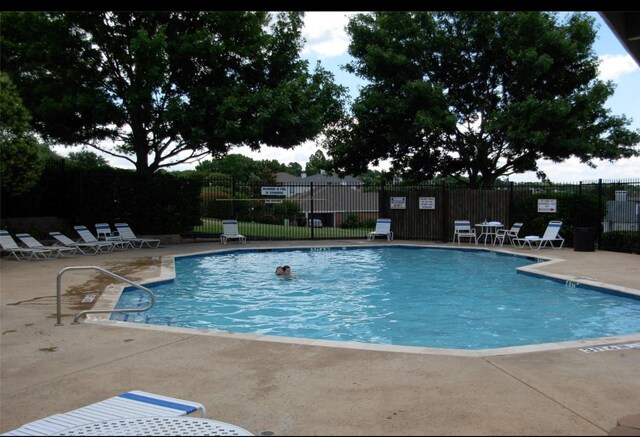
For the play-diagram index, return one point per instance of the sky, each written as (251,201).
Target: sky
(327,42)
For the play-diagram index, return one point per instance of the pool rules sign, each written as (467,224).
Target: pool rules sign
(398,203)
(547,205)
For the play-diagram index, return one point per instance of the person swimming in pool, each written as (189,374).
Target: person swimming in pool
(284,271)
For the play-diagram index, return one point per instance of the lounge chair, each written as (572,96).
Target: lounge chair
(32,243)
(133,404)
(127,234)
(463,229)
(85,248)
(88,237)
(507,234)
(104,233)
(230,232)
(383,229)
(551,234)
(8,244)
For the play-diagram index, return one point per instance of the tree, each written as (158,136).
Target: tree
(20,152)
(294,168)
(87,159)
(317,163)
(476,94)
(167,87)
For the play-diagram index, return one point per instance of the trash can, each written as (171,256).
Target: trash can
(583,239)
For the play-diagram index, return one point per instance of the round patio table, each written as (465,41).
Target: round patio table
(488,231)
(157,426)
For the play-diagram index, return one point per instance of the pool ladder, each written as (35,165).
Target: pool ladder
(82,313)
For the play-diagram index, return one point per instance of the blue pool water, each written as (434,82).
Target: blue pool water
(441,298)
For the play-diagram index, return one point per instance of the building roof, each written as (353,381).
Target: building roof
(626,26)
(286,178)
(337,199)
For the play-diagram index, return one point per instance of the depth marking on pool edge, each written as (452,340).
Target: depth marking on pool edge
(614,347)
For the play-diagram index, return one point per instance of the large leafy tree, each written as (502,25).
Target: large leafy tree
(317,163)
(21,155)
(162,88)
(476,95)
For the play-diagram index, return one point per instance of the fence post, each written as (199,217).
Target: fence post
(510,207)
(310,220)
(600,214)
(233,197)
(443,215)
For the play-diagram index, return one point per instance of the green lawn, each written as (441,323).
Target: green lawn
(266,231)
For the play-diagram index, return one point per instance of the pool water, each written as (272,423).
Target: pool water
(431,297)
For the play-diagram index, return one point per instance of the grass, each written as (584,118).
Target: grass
(267,231)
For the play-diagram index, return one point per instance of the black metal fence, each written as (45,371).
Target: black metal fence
(605,212)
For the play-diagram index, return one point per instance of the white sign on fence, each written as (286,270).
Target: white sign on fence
(427,203)
(547,205)
(273,191)
(398,203)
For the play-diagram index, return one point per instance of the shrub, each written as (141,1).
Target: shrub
(621,241)
(352,221)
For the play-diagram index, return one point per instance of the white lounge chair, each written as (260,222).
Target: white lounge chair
(104,233)
(32,243)
(131,404)
(125,232)
(551,234)
(383,229)
(230,232)
(8,244)
(88,237)
(507,234)
(64,241)
(463,229)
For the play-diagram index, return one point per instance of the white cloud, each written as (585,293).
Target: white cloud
(572,170)
(612,67)
(299,154)
(325,33)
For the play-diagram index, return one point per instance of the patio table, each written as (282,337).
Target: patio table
(488,230)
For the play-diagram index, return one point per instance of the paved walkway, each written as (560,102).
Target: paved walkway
(305,388)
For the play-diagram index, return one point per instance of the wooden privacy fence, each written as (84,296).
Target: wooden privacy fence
(428,214)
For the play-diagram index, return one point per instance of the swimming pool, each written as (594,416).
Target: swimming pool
(412,296)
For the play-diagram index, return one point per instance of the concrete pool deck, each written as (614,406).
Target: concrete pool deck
(306,388)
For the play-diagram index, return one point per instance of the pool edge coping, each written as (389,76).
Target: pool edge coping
(167,273)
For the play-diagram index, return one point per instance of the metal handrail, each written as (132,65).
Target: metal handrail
(81,313)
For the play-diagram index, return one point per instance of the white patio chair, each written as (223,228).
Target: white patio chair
(230,232)
(8,244)
(104,232)
(84,248)
(125,232)
(551,234)
(32,243)
(463,229)
(507,234)
(383,229)
(88,237)
(131,404)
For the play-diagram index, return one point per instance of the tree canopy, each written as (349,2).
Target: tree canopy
(87,160)
(20,151)
(476,95)
(167,87)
